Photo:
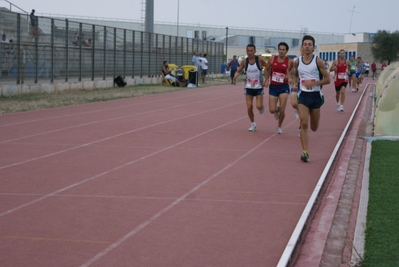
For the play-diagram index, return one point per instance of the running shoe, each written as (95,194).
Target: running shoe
(305,157)
(338,106)
(253,127)
(296,114)
(279,130)
(277,113)
(262,110)
(341,108)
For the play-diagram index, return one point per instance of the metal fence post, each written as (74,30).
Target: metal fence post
(93,54)
(134,52)
(66,50)
(141,54)
(80,52)
(105,53)
(52,51)
(124,53)
(114,56)
(19,48)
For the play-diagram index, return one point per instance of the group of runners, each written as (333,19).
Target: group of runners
(304,77)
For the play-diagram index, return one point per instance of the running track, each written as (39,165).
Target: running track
(172,179)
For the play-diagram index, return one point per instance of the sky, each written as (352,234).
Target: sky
(334,16)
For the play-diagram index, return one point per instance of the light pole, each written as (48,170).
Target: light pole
(178,6)
(227,32)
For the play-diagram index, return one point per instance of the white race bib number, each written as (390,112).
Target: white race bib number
(278,77)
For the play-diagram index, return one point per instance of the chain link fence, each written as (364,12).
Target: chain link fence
(63,50)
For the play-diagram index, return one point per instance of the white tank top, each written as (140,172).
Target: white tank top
(254,77)
(308,72)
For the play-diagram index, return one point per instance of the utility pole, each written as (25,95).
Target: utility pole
(352,11)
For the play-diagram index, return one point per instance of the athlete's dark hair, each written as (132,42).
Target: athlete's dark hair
(251,45)
(283,44)
(308,37)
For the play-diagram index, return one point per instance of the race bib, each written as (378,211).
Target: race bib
(278,77)
(353,68)
(253,83)
(303,81)
(342,75)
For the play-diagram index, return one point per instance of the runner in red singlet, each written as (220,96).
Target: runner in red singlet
(280,75)
(341,69)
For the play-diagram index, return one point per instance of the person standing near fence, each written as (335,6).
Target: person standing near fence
(194,60)
(254,82)
(233,66)
(204,67)
(312,75)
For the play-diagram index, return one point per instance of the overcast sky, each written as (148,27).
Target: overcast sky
(317,16)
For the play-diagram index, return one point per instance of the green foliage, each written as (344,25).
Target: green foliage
(382,231)
(385,46)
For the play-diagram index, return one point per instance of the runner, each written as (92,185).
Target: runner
(254,82)
(341,68)
(374,69)
(352,73)
(366,70)
(312,75)
(359,72)
(280,70)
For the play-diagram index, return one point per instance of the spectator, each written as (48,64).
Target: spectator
(33,19)
(233,66)
(4,39)
(10,47)
(75,40)
(194,60)
(23,62)
(4,47)
(88,43)
(167,73)
(204,67)
(383,66)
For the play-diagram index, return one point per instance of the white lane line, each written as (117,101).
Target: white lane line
(162,198)
(170,206)
(101,121)
(116,168)
(114,136)
(289,249)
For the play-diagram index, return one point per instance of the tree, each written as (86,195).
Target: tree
(385,46)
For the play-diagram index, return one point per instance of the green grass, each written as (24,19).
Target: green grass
(382,229)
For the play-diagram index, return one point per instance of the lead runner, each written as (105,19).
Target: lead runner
(312,75)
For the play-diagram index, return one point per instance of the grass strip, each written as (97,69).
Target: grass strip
(382,228)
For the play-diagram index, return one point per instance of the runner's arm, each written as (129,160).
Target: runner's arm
(326,76)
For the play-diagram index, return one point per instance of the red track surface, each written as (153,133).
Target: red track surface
(164,180)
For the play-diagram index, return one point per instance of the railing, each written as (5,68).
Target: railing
(46,52)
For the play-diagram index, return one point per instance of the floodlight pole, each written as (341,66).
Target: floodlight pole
(227,32)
